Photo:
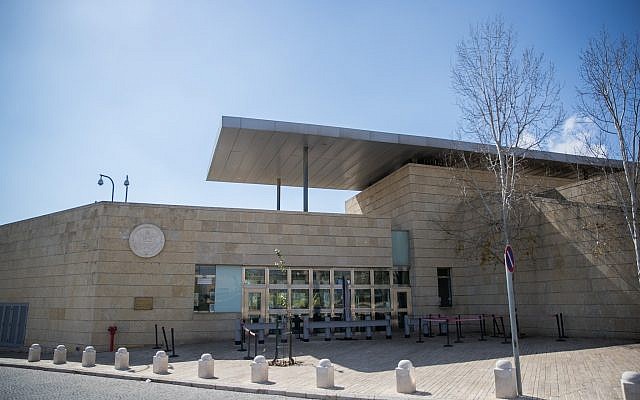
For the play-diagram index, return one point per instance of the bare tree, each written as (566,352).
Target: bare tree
(610,99)
(509,103)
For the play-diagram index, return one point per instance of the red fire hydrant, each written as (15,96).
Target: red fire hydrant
(112,336)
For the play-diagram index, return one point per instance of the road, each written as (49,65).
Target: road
(18,383)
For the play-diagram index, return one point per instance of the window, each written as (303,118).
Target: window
(278,298)
(444,287)
(321,277)
(321,298)
(277,276)
(401,278)
(382,298)
(362,277)
(400,247)
(337,298)
(217,288)
(363,298)
(254,276)
(228,292)
(299,277)
(381,277)
(255,301)
(204,295)
(299,298)
(339,276)
(403,300)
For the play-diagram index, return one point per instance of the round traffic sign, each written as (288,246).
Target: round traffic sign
(509,261)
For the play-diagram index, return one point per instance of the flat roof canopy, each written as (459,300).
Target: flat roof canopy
(261,151)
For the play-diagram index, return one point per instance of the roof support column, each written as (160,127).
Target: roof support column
(278,195)
(305,178)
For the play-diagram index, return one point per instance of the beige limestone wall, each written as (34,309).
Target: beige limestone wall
(427,201)
(571,257)
(49,263)
(110,275)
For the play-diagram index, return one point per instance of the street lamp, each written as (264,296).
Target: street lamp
(100,182)
(126,188)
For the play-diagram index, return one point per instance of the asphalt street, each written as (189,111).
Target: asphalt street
(18,383)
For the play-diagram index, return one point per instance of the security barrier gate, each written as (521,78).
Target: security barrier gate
(13,324)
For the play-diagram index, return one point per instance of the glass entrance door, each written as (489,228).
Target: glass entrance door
(402,307)
(253,304)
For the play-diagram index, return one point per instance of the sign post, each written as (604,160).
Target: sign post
(510,266)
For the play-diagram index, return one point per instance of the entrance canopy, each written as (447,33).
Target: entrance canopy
(263,151)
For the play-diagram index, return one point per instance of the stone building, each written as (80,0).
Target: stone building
(414,240)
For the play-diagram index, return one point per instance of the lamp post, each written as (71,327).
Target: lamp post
(100,182)
(126,188)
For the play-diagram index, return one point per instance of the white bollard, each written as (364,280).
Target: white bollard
(324,374)
(505,380)
(35,351)
(205,366)
(122,359)
(60,355)
(161,363)
(89,357)
(259,370)
(630,385)
(405,377)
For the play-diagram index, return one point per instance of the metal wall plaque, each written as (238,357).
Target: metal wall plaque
(143,303)
(146,240)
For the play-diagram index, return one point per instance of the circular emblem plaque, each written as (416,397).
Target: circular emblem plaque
(146,240)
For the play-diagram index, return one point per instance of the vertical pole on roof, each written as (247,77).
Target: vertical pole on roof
(278,196)
(305,178)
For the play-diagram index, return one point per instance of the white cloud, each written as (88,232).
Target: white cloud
(579,136)
(528,141)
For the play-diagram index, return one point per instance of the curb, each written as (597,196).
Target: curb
(203,385)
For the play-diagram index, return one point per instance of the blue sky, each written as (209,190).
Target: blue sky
(139,87)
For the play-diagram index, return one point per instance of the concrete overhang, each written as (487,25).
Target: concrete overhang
(261,151)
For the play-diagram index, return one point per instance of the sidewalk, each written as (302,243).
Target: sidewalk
(575,369)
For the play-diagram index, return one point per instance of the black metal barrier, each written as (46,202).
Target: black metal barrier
(166,342)
(443,323)
(245,332)
(496,328)
(560,325)
(156,346)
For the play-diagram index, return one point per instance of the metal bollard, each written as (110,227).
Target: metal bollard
(306,332)
(237,332)
(368,331)
(60,355)
(387,318)
(173,346)
(122,359)
(325,374)
(405,377)
(505,378)
(161,363)
(630,385)
(205,366)
(89,357)
(348,334)
(327,330)
(259,370)
(157,346)
(35,352)
(261,331)
(407,332)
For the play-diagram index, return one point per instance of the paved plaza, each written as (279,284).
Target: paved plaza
(574,369)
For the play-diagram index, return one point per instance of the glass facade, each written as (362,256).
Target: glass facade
(268,292)
(320,292)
